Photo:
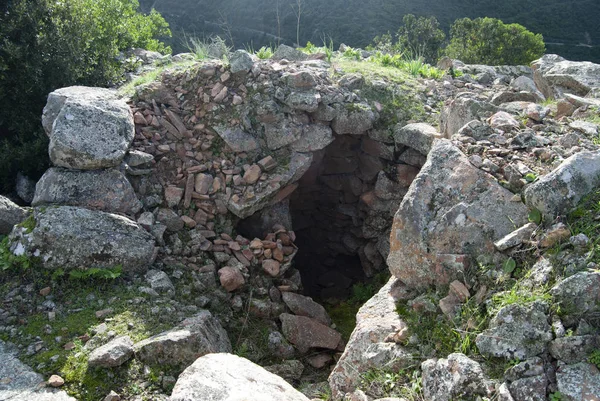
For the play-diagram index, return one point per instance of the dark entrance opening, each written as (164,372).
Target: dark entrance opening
(331,218)
(341,213)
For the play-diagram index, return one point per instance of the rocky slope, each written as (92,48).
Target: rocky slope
(222,192)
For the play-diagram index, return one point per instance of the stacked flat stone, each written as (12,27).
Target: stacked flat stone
(80,202)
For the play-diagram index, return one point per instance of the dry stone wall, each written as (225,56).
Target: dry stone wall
(228,146)
(75,222)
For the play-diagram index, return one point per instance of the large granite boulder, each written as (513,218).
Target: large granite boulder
(368,346)
(555,76)
(105,190)
(452,211)
(314,137)
(77,239)
(220,377)
(194,337)
(10,215)
(237,139)
(89,128)
(559,191)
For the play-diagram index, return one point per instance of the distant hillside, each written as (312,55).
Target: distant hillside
(570,27)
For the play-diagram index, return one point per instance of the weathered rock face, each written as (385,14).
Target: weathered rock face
(105,190)
(418,136)
(288,53)
(516,332)
(556,76)
(452,378)
(451,210)
(368,347)
(241,62)
(76,117)
(159,281)
(236,139)
(527,381)
(217,377)
(578,382)
(305,306)
(115,353)
(298,165)
(74,238)
(10,214)
(306,333)
(25,187)
(355,119)
(578,295)
(460,111)
(574,349)
(195,337)
(560,191)
(21,383)
(527,84)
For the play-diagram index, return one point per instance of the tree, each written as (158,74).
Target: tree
(298,7)
(421,37)
(490,41)
(48,44)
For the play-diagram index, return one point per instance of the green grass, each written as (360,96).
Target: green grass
(77,318)
(344,317)
(520,295)
(415,66)
(583,220)
(344,313)
(438,336)
(327,48)
(154,75)
(594,116)
(151,76)
(405,383)
(352,54)
(396,98)
(374,71)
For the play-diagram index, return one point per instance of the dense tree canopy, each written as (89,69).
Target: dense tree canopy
(47,44)
(490,41)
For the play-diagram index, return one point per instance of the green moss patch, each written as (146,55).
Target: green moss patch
(62,336)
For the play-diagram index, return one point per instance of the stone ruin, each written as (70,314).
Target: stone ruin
(263,180)
(267,179)
(274,143)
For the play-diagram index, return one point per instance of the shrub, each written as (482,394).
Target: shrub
(421,36)
(490,41)
(265,53)
(417,37)
(48,44)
